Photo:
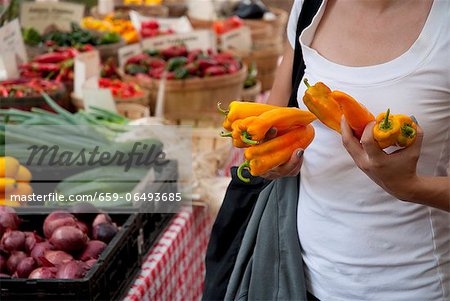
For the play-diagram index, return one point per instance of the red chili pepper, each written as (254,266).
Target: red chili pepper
(3,92)
(138,58)
(49,67)
(156,72)
(174,51)
(149,32)
(150,24)
(170,75)
(52,57)
(192,68)
(193,55)
(156,63)
(215,71)
(204,64)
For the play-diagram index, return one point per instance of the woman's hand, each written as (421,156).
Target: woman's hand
(288,169)
(396,172)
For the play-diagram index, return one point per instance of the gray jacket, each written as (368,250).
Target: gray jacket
(269,264)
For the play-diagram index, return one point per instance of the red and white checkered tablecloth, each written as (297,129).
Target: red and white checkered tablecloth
(174,268)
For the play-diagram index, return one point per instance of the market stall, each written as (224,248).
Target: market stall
(112,165)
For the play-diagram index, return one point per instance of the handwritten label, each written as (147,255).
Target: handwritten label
(100,98)
(240,39)
(178,25)
(41,15)
(126,52)
(87,69)
(199,39)
(8,66)
(11,40)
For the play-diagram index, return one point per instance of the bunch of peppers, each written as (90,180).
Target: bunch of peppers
(179,63)
(112,23)
(224,26)
(28,87)
(57,65)
(329,106)
(121,89)
(248,124)
(151,29)
(76,37)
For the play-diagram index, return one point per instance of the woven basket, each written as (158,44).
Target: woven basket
(132,110)
(278,25)
(26,103)
(140,100)
(193,101)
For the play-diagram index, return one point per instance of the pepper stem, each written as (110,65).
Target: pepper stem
(408,131)
(386,124)
(224,112)
(247,139)
(306,83)
(246,165)
(225,134)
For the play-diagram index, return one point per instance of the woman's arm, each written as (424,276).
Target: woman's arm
(396,172)
(281,89)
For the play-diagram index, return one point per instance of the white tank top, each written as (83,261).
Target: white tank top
(359,242)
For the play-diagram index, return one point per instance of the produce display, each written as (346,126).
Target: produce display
(182,64)
(224,26)
(14,180)
(66,246)
(57,65)
(121,89)
(150,29)
(111,23)
(30,87)
(74,38)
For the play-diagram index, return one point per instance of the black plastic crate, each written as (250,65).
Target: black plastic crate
(108,279)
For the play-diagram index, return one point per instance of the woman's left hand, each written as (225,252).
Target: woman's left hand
(396,172)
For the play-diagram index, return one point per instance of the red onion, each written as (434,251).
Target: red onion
(57,257)
(58,219)
(39,250)
(14,259)
(8,219)
(3,260)
(25,267)
(43,273)
(13,240)
(83,227)
(102,218)
(68,238)
(90,263)
(104,232)
(72,270)
(3,275)
(93,250)
(31,239)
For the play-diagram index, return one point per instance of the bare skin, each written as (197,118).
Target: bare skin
(363,33)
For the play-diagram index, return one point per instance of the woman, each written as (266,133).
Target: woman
(374,226)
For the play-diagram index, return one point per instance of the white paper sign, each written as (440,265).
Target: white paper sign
(179,25)
(11,40)
(126,52)
(41,15)
(8,66)
(240,39)
(198,39)
(100,98)
(86,69)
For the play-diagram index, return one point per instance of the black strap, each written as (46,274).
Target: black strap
(309,10)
